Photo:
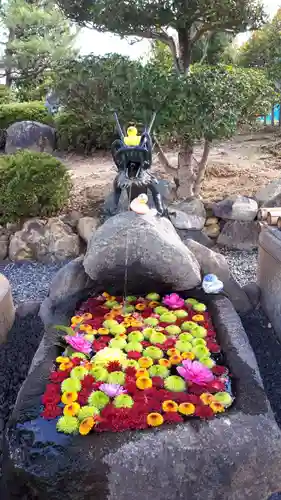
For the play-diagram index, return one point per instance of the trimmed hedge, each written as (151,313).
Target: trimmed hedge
(21,111)
(31,185)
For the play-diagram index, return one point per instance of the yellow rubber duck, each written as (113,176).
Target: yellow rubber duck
(132,138)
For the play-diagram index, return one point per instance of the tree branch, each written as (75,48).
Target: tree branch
(163,158)
(202,168)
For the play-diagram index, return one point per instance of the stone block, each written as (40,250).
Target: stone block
(7,309)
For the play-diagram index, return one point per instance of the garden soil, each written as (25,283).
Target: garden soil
(241,165)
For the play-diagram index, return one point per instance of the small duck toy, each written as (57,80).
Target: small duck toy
(139,205)
(132,138)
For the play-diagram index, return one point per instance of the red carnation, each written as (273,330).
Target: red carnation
(216,386)
(52,389)
(87,382)
(145,344)
(98,345)
(213,347)
(50,399)
(58,377)
(172,417)
(197,389)
(130,373)
(131,388)
(83,396)
(157,382)
(119,319)
(113,366)
(204,412)
(219,370)
(51,411)
(168,344)
(134,355)
(76,361)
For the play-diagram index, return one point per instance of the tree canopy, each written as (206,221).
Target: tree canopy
(154,19)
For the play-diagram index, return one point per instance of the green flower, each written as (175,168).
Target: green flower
(78,355)
(153,296)
(68,425)
(201,351)
(87,411)
(158,338)
(123,401)
(151,321)
(71,385)
(100,373)
(78,372)
(173,330)
(161,310)
(191,301)
(183,346)
(159,371)
(131,298)
(134,346)
(118,343)
(223,398)
(209,362)
(109,323)
(200,332)
(196,341)
(147,332)
(168,317)
(153,352)
(98,399)
(111,303)
(135,337)
(133,363)
(116,329)
(116,378)
(199,307)
(186,337)
(189,326)
(175,384)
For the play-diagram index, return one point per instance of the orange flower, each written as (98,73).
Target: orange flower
(145,362)
(106,295)
(86,426)
(75,320)
(110,315)
(86,328)
(65,366)
(154,419)
(143,383)
(170,406)
(69,397)
(126,323)
(175,359)
(164,362)
(103,331)
(135,323)
(140,307)
(116,309)
(173,352)
(142,373)
(198,318)
(188,355)
(187,408)
(87,316)
(206,398)
(71,410)
(62,359)
(153,304)
(88,366)
(217,407)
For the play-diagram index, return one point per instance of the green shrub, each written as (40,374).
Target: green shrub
(6,94)
(32,184)
(20,111)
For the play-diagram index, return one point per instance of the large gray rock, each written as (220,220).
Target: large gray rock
(181,220)
(49,241)
(194,206)
(4,243)
(214,263)
(270,195)
(236,456)
(86,226)
(240,235)
(193,234)
(30,135)
(239,208)
(150,249)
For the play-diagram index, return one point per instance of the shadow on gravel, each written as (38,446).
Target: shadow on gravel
(15,359)
(267,349)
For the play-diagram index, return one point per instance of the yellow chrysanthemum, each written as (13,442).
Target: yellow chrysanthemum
(71,410)
(65,366)
(217,407)
(170,405)
(86,328)
(110,315)
(155,419)
(87,316)
(187,408)
(143,383)
(135,323)
(106,295)
(62,359)
(86,426)
(69,397)
(153,304)
(173,352)
(175,359)
(188,355)
(207,398)
(164,362)
(140,307)
(145,362)
(75,320)
(103,331)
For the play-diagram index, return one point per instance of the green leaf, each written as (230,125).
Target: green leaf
(65,329)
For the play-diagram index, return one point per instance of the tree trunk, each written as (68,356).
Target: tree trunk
(202,168)
(163,158)
(186,175)
(185,49)
(8,57)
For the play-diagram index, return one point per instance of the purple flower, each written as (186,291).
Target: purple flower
(79,343)
(174,301)
(112,390)
(196,372)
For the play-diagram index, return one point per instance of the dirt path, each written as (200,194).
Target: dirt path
(241,165)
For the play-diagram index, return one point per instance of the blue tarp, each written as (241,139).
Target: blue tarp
(276,115)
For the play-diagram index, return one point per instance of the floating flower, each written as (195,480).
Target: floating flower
(224,398)
(143,383)
(103,331)
(153,352)
(86,328)
(51,411)
(123,401)
(175,384)
(142,373)
(164,362)
(86,426)
(71,385)
(136,324)
(176,359)
(159,371)
(172,418)
(204,412)
(109,354)
(187,409)
(145,362)
(65,366)
(188,355)
(78,372)
(113,366)
(69,397)
(76,320)
(198,318)
(153,304)
(116,378)
(87,316)
(79,343)
(71,410)
(140,307)
(68,425)
(217,407)
(194,371)
(155,419)
(206,398)
(173,301)
(157,382)
(169,406)
(112,390)
(62,359)
(173,352)
(58,377)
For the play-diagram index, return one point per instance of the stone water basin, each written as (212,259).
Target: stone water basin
(232,457)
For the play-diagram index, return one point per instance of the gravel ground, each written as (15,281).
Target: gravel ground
(243,265)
